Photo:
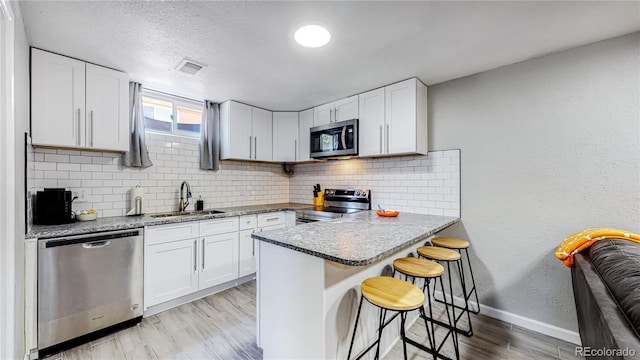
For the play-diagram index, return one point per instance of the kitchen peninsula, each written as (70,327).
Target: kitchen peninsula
(309,279)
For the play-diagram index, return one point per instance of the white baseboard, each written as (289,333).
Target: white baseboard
(525,322)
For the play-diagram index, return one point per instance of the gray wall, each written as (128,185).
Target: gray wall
(21,93)
(549,146)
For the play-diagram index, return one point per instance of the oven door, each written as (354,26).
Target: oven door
(337,139)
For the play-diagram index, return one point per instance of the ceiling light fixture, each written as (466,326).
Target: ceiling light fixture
(312,36)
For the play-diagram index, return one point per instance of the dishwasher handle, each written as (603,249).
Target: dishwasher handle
(91,239)
(96,244)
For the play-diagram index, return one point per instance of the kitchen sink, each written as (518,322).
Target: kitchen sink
(185,213)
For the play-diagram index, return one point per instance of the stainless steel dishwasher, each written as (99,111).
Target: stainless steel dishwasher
(88,285)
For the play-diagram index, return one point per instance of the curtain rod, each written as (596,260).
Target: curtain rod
(172,95)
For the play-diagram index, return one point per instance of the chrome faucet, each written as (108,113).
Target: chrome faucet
(184,202)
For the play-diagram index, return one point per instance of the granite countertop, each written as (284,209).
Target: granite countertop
(132,222)
(358,239)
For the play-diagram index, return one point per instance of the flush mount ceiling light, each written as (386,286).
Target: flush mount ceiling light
(312,36)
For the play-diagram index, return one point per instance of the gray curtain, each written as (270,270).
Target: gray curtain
(210,136)
(137,156)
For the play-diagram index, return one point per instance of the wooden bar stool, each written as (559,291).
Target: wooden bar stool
(427,270)
(448,256)
(460,245)
(388,293)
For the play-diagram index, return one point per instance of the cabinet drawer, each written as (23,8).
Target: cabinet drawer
(270,219)
(170,232)
(248,222)
(272,227)
(218,226)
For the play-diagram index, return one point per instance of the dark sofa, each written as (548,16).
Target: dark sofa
(606,287)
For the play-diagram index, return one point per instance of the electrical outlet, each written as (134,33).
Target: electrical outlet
(81,195)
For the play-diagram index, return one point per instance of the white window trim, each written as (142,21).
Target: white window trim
(177,101)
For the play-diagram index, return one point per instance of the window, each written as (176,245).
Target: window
(171,114)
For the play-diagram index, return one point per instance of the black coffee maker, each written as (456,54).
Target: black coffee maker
(53,207)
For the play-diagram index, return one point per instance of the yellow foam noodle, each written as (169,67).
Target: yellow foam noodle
(583,239)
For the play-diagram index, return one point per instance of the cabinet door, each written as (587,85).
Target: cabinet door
(262,135)
(107,105)
(345,109)
(170,271)
(237,133)
(285,136)
(57,100)
(400,117)
(323,114)
(247,251)
(305,123)
(219,259)
(371,123)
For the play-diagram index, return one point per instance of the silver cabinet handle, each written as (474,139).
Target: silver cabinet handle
(202,253)
(255,147)
(249,147)
(91,123)
(195,255)
(295,150)
(335,115)
(78,128)
(387,138)
(380,139)
(330,115)
(254,247)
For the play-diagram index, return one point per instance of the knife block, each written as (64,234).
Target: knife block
(319,201)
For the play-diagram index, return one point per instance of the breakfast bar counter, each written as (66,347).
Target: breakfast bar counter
(358,239)
(309,280)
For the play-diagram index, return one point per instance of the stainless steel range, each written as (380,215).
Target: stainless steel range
(337,202)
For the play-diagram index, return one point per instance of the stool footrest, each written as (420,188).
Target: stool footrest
(467,333)
(473,311)
(424,348)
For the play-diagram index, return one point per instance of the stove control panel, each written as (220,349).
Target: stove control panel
(347,193)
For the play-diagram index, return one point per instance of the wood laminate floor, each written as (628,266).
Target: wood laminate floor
(223,326)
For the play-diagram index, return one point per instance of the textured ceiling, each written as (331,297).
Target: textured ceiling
(251,56)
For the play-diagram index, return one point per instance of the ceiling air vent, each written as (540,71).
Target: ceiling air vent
(189,66)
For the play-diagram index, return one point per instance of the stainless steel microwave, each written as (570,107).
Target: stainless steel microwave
(334,140)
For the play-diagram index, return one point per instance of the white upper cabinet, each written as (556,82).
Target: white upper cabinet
(305,123)
(57,99)
(285,136)
(346,109)
(236,130)
(262,135)
(107,103)
(340,110)
(371,124)
(78,105)
(403,127)
(246,132)
(323,114)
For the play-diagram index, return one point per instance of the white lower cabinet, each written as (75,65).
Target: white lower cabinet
(170,271)
(247,261)
(181,259)
(247,252)
(219,259)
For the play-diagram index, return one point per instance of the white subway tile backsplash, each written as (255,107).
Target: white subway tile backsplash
(107,183)
(56,158)
(424,184)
